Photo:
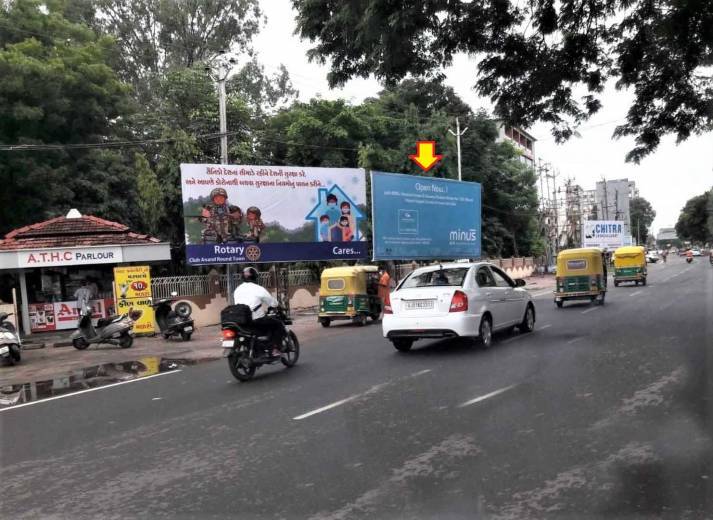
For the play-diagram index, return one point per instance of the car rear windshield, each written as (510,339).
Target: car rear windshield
(441,277)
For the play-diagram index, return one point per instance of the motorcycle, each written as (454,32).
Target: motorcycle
(246,349)
(10,342)
(173,321)
(114,330)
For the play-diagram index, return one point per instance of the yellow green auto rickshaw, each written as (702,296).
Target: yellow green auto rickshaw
(630,265)
(349,293)
(581,275)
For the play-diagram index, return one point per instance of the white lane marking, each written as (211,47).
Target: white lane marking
(544,327)
(574,340)
(590,310)
(157,398)
(635,293)
(543,292)
(89,390)
(324,408)
(420,373)
(374,389)
(486,396)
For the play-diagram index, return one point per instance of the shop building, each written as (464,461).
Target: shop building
(48,261)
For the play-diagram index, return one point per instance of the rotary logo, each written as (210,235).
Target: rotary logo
(252,253)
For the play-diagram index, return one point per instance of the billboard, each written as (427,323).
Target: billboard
(424,217)
(254,214)
(133,295)
(607,234)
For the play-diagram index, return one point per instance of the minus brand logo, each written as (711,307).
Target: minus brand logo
(468,235)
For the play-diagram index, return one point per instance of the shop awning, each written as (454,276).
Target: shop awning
(76,239)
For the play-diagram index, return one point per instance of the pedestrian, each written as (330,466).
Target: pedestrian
(83,294)
(384,284)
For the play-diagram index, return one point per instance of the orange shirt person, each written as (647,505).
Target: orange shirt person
(384,284)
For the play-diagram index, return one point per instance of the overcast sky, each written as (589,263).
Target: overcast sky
(667,178)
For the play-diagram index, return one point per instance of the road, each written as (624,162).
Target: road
(602,412)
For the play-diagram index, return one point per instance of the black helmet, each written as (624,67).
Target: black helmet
(250,274)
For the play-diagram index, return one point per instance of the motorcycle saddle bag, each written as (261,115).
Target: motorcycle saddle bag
(239,314)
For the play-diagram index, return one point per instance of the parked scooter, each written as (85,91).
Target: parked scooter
(10,343)
(173,321)
(114,330)
(246,349)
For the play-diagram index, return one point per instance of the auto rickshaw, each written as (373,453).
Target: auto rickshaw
(630,265)
(349,293)
(581,275)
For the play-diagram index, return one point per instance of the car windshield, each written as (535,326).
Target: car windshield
(441,277)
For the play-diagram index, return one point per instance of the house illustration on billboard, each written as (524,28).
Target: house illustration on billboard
(336,216)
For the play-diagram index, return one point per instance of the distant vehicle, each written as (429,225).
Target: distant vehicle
(456,300)
(652,257)
(696,252)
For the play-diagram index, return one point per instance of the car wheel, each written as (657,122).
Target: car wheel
(528,321)
(485,333)
(402,344)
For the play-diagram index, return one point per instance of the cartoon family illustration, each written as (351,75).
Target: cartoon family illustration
(337,224)
(222,222)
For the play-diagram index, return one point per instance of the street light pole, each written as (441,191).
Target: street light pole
(457,134)
(220,76)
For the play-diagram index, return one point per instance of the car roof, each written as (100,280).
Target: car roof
(450,265)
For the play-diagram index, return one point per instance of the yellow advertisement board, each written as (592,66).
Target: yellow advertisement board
(133,295)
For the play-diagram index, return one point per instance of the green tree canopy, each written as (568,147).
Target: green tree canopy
(58,90)
(641,215)
(539,60)
(695,223)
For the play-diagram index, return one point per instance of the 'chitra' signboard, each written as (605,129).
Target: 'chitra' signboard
(606,234)
(242,213)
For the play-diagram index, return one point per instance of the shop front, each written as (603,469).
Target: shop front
(55,261)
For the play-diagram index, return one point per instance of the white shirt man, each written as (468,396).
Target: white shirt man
(254,296)
(83,295)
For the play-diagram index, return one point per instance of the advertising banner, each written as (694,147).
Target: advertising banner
(133,295)
(236,214)
(424,217)
(606,234)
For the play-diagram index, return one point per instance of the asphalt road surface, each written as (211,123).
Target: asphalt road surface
(602,412)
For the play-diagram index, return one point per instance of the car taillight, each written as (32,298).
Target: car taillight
(387,305)
(459,302)
(228,334)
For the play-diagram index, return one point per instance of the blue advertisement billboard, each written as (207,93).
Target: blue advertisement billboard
(242,213)
(424,218)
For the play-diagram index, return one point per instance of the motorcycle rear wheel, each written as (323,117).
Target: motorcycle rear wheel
(126,340)
(240,371)
(186,336)
(289,358)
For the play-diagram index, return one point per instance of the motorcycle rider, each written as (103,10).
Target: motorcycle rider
(256,297)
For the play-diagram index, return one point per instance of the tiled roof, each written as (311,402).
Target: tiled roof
(86,230)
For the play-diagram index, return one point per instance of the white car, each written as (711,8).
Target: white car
(456,300)
(652,257)
(696,252)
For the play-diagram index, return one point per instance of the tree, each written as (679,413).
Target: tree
(150,201)
(58,90)
(695,223)
(155,36)
(641,215)
(538,60)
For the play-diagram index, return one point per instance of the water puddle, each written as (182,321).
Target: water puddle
(90,377)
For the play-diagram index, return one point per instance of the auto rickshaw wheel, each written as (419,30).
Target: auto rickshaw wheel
(559,304)
(643,281)
(616,284)
(325,322)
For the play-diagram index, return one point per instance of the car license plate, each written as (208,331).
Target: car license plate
(4,350)
(187,329)
(228,344)
(414,305)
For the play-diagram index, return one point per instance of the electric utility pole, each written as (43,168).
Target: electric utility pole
(458,133)
(219,72)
